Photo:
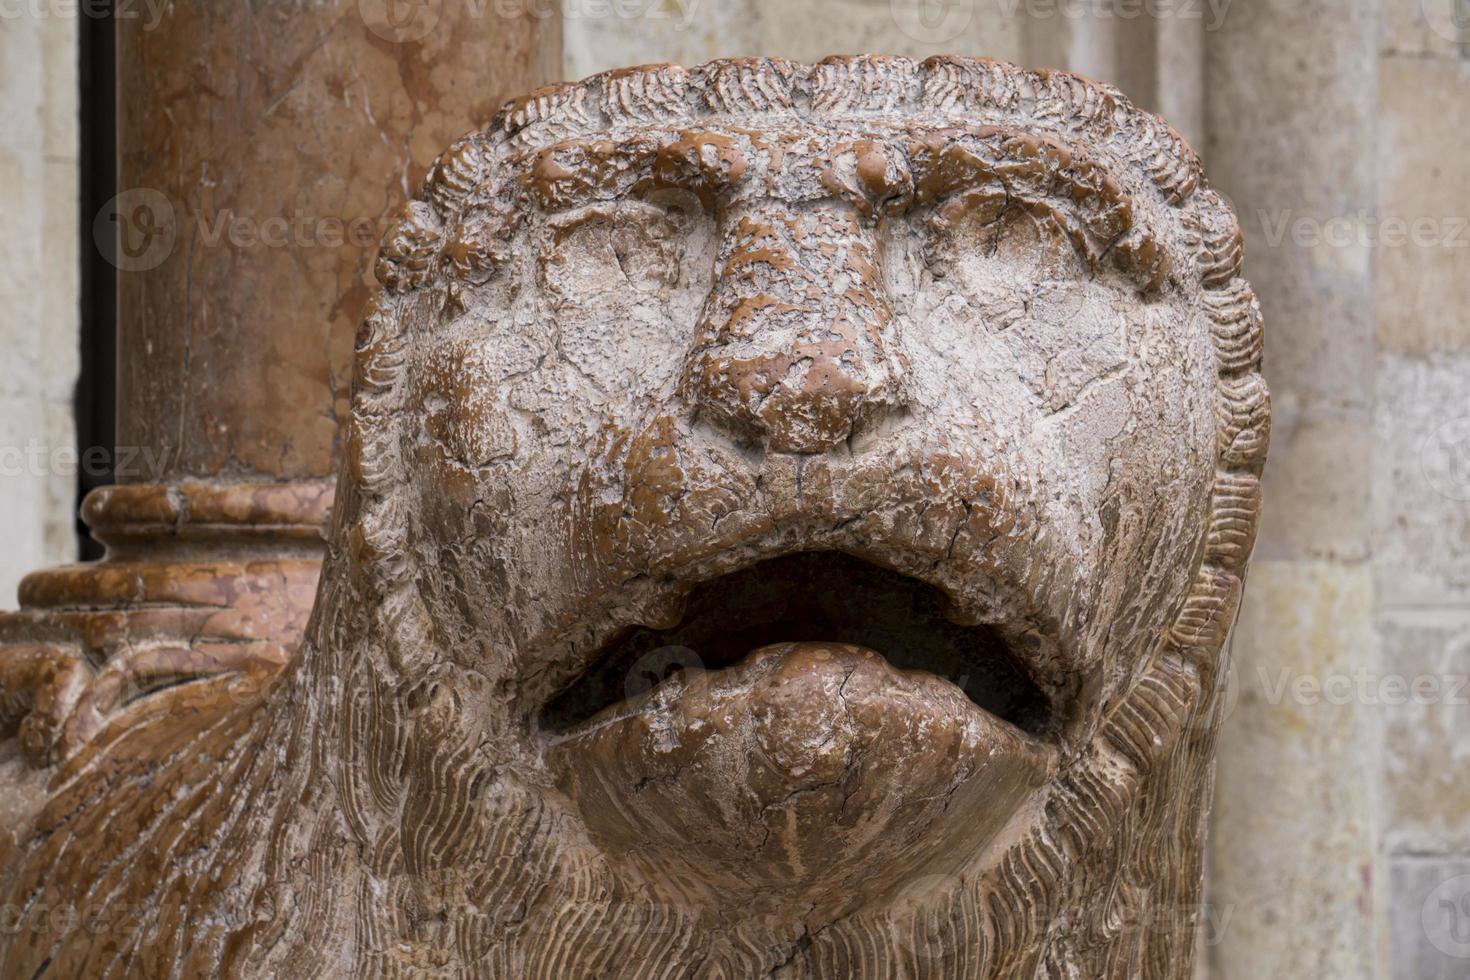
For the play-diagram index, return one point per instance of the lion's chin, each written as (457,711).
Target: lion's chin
(807,776)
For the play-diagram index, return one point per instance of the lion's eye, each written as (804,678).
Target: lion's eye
(968,233)
(1028,285)
(644,243)
(627,246)
(625,281)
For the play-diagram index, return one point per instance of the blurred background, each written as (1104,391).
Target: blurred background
(1340,129)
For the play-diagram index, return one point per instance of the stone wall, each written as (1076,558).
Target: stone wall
(39,332)
(1341,828)
(1291,92)
(1419,512)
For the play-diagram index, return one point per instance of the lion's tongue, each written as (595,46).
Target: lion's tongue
(791,695)
(751,770)
(803,683)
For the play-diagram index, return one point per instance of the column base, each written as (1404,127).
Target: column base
(199,580)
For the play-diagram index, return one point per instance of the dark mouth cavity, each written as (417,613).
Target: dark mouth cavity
(805,597)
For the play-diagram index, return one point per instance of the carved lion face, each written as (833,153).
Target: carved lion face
(809,465)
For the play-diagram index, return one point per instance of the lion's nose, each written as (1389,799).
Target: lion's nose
(796,344)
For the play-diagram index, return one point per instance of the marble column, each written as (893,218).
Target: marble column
(257,145)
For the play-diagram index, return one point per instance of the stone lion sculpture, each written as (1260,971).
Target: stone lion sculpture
(789,524)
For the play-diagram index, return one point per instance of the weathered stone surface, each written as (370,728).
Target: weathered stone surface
(1320,295)
(1293,127)
(1320,505)
(602,36)
(1421,483)
(38,286)
(1298,741)
(1431,918)
(1424,27)
(200,581)
(1322,291)
(1422,253)
(1425,700)
(911,411)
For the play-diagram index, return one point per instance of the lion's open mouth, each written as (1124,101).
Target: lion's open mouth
(825,597)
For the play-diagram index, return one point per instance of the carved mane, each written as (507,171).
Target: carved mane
(455,235)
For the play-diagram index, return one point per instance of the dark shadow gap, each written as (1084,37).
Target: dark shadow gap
(95,402)
(810,596)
